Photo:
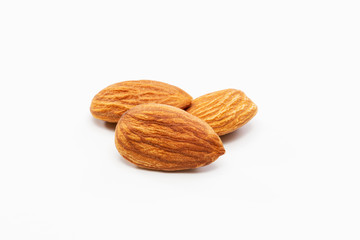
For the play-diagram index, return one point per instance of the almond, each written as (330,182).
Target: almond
(225,110)
(110,103)
(162,137)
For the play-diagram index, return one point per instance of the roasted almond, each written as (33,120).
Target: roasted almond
(110,103)
(166,138)
(225,110)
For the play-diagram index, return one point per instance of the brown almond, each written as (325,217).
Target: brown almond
(225,110)
(110,103)
(162,137)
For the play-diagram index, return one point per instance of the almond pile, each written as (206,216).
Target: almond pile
(160,126)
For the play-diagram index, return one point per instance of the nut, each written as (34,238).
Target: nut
(110,103)
(162,137)
(225,110)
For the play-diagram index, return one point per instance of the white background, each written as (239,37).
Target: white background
(293,172)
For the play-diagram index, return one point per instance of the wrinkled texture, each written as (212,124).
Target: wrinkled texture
(225,110)
(113,101)
(162,137)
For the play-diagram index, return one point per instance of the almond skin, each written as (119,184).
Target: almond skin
(225,110)
(113,101)
(166,138)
